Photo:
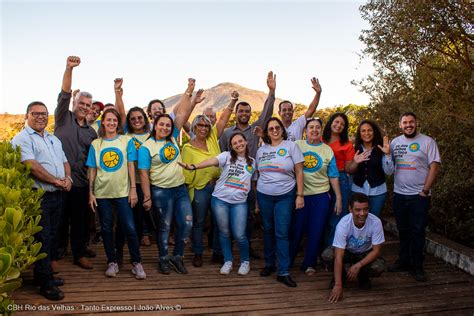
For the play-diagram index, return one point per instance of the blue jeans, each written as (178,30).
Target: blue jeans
(232,221)
(201,204)
(345,184)
(411,214)
(376,203)
(52,204)
(276,216)
(310,220)
(125,218)
(169,203)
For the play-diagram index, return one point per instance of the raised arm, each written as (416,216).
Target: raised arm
(119,105)
(72,61)
(184,105)
(62,108)
(225,116)
(269,102)
(314,104)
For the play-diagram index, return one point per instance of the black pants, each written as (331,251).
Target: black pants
(411,213)
(52,204)
(76,216)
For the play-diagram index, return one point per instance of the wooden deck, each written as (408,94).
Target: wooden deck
(204,290)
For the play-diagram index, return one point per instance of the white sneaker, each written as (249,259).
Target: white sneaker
(244,268)
(227,267)
(112,270)
(137,269)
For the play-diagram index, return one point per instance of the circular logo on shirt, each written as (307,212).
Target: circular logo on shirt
(282,152)
(414,147)
(137,143)
(168,153)
(249,169)
(111,159)
(312,161)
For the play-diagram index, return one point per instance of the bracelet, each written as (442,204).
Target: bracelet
(119,90)
(133,187)
(300,194)
(229,108)
(188,94)
(193,167)
(234,99)
(70,179)
(146,200)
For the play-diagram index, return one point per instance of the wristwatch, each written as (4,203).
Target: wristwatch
(426,192)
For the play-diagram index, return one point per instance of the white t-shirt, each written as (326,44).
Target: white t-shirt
(295,130)
(412,157)
(358,240)
(233,185)
(276,167)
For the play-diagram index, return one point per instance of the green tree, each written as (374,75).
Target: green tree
(422,55)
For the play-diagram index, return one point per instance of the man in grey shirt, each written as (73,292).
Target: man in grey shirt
(417,163)
(243,113)
(76,136)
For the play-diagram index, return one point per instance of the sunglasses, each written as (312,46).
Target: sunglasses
(274,128)
(203,125)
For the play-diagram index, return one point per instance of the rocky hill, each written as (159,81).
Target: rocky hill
(219,96)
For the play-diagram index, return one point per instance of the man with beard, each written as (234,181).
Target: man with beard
(243,113)
(295,129)
(417,164)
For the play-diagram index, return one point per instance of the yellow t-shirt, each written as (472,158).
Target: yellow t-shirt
(138,140)
(111,158)
(319,165)
(161,157)
(198,179)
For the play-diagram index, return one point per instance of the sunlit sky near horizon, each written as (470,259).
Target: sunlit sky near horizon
(155,46)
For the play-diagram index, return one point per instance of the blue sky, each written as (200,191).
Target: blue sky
(155,46)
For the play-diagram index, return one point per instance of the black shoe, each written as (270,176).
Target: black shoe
(54,281)
(217,258)
(419,275)
(176,262)
(52,292)
(89,253)
(267,271)
(364,283)
(254,254)
(197,261)
(287,280)
(164,266)
(399,266)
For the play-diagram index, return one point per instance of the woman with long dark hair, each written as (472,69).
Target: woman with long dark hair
(280,189)
(158,159)
(229,198)
(336,135)
(371,163)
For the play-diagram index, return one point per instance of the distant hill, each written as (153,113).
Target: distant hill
(219,96)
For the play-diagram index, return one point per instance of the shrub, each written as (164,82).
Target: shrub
(19,219)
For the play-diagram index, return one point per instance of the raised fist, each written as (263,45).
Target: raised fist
(73,61)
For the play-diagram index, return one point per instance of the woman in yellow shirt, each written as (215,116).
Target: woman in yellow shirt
(201,182)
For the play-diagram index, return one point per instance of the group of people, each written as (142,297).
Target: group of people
(304,178)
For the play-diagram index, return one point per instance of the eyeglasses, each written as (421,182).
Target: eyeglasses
(274,128)
(203,125)
(137,118)
(38,114)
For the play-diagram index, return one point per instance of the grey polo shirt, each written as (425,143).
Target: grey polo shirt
(76,139)
(251,138)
